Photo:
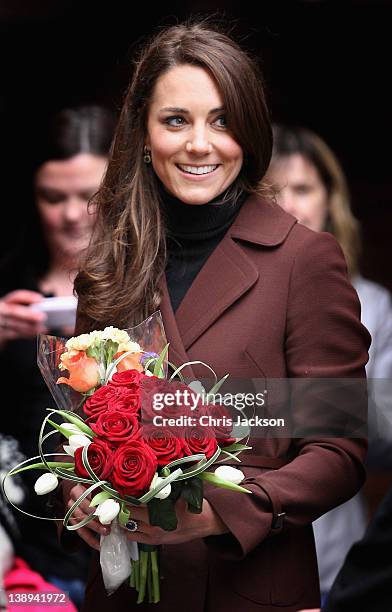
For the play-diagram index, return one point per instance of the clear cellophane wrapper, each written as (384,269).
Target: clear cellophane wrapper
(116,553)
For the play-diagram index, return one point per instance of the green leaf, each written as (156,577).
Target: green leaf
(236,446)
(99,498)
(68,475)
(192,492)
(176,488)
(160,360)
(154,490)
(93,352)
(188,459)
(73,418)
(200,466)
(162,513)
(175,368)
(111,349)
(70,512)
(42,466)
(231,455)
(219,482)
(217,386)
(65,432)
(123,515)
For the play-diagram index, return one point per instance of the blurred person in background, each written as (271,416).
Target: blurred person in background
(364,582)
(70,161)
(311,185)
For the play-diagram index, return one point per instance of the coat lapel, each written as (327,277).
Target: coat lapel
(177,352)
(228,273)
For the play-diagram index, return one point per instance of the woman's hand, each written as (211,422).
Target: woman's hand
(94,527)
(17,319)
(190,526)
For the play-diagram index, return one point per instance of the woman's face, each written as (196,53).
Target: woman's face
(63,189)
(193,153)
(301,190)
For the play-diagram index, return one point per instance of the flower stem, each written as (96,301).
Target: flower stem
(137,574)
(155,577)
(132,581)
(149,579)
(143,575)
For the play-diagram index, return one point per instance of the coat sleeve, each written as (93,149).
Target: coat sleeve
(323,338)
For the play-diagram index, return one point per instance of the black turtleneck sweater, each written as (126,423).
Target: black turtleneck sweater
(193,232)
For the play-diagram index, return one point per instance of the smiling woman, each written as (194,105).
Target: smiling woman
(186,109)
(182,225)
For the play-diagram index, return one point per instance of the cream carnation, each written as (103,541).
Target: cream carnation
(116,335)
(129,347)
(79,343)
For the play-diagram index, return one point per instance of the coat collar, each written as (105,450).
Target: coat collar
(262,222)
(227,274)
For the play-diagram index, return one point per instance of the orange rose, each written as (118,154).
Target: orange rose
(83,371)
(130,362)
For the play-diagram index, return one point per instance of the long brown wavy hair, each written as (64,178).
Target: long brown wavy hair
(119,281)
(291,140)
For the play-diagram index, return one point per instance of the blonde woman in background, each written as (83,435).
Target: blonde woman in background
(310,184)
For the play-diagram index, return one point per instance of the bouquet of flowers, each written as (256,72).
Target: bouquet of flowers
(126,445)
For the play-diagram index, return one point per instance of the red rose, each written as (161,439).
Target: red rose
(134,465)
(128,378)
(166,446)
(124,399)
(199,440)
(98,400)
(221,423)
(100,457)
(116,426)
(170,400)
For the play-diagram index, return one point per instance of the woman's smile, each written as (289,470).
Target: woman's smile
(198,172)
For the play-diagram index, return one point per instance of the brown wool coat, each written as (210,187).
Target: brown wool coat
(272,301)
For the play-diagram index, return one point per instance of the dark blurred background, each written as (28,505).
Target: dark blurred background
(326,65)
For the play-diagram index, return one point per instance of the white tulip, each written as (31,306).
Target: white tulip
(76,441)
(46,483)
(230,474)
(197,387)
(163,493)
(107,511)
